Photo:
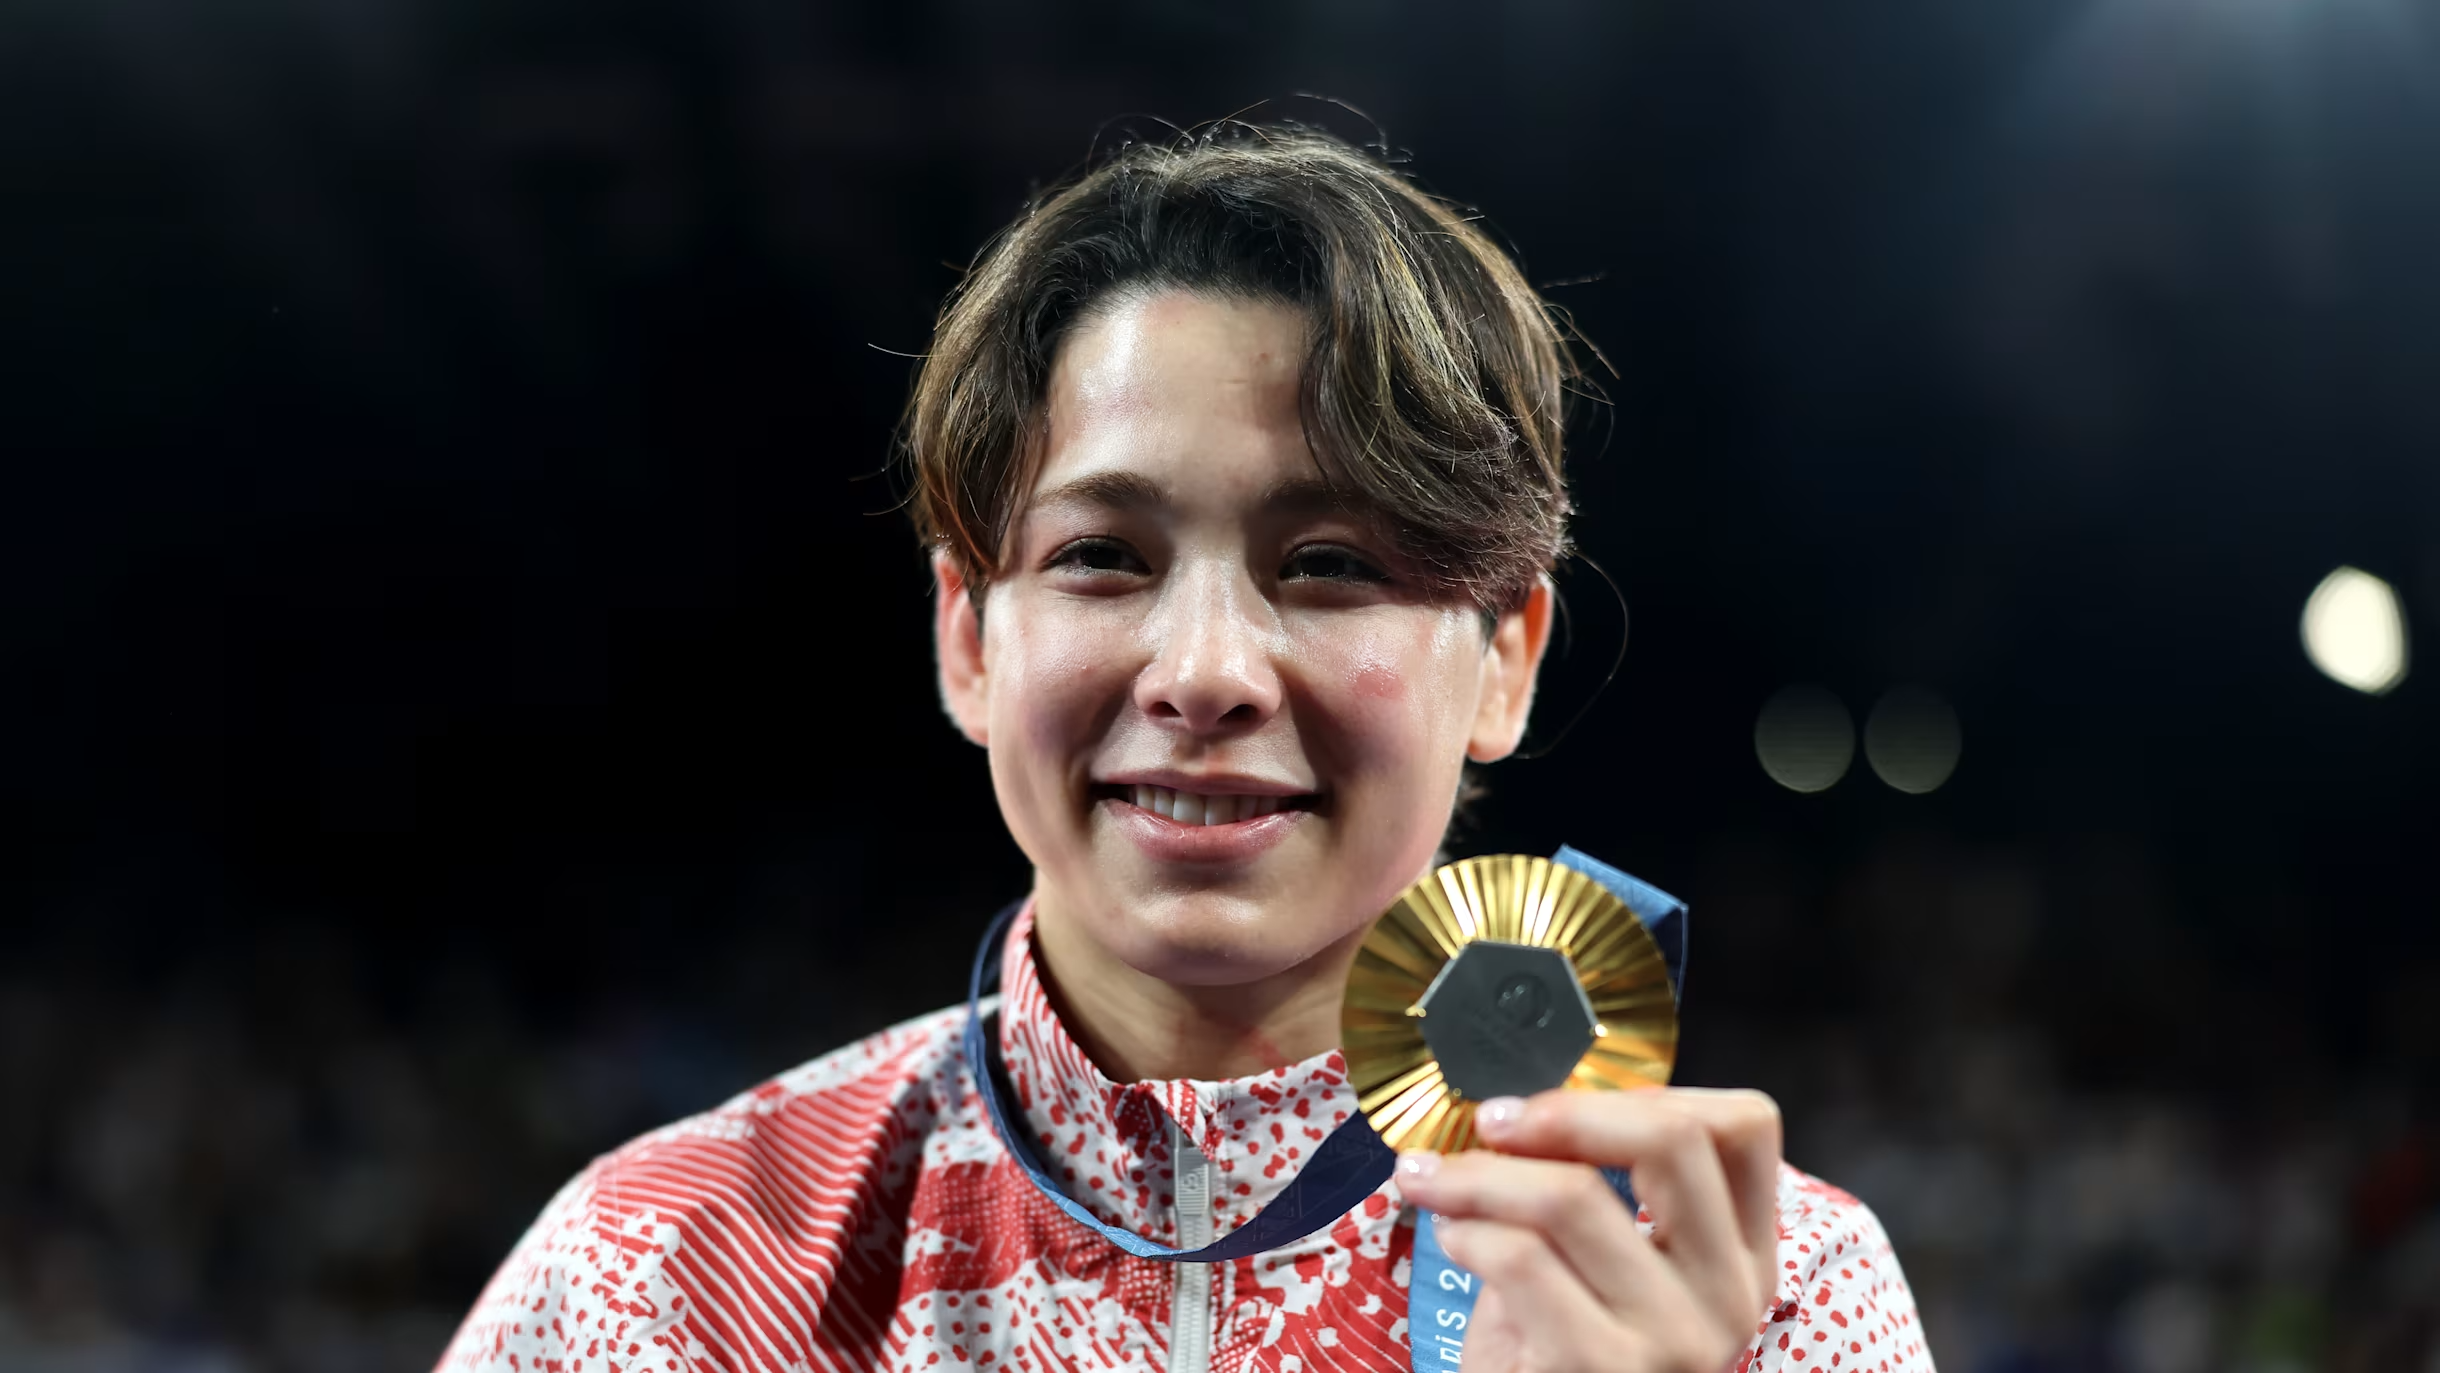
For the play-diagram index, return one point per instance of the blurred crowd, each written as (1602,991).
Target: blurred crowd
(262,1165)
(2045,1228)
(288,1157)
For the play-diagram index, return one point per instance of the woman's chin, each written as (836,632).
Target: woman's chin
(1208,939)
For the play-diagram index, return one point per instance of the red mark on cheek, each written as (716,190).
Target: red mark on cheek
(1380,683)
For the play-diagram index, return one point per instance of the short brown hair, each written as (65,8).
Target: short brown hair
(1433,385)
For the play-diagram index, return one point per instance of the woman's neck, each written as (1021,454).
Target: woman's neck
(1136,1027)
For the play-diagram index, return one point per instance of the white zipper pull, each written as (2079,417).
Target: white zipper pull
(1190,1303)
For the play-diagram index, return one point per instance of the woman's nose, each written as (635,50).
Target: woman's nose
(1211,666)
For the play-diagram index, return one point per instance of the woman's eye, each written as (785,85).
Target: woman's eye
(1098,555)
(1330,563)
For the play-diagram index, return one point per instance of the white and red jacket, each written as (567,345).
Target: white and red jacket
(858,1213)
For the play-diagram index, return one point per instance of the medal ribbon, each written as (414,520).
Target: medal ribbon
(1350,1165)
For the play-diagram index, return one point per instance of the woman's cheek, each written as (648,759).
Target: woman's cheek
(1396,756)
(1396,687)
(1049,684)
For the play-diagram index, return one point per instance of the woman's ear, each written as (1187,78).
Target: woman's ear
(1511,662)
(957,641)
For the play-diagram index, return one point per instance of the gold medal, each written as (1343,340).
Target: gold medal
(1501,976)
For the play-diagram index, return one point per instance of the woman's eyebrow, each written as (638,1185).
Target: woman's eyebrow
(1121,490)
(1112,490)
(1304,496)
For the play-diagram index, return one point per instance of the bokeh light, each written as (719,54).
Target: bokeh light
(2355,632)
(1912,740)
(1805,738)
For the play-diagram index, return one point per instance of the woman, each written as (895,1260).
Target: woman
(1239,464)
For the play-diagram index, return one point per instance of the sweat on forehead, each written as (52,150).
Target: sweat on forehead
(1183,407)
(1144,356)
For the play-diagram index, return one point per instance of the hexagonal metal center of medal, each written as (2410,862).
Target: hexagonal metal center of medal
(1506,1019)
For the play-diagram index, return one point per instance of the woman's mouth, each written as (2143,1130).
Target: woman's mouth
(1171,825)
(1195,808)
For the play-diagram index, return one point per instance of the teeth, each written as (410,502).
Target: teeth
(1191,808)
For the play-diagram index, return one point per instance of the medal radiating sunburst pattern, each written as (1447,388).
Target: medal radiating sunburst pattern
(1519,906)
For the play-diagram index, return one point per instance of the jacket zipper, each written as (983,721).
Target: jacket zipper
(1190,1303)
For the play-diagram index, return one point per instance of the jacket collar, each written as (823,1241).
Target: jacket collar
(1108,1143)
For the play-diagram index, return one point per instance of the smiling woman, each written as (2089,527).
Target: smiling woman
(1239,463)
(1181,603)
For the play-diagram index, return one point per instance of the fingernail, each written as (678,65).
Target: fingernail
(1417,1167)
(1500,1112)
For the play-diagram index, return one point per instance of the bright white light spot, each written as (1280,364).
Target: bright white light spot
(1804,738)
(2354,631)
(1912,740)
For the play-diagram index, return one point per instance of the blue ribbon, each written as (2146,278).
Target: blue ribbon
(1350,1165)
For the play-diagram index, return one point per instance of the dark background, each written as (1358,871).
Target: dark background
(465,698)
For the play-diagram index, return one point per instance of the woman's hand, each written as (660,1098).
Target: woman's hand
(1569,1282)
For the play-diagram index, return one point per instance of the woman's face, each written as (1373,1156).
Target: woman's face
(1225,721)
